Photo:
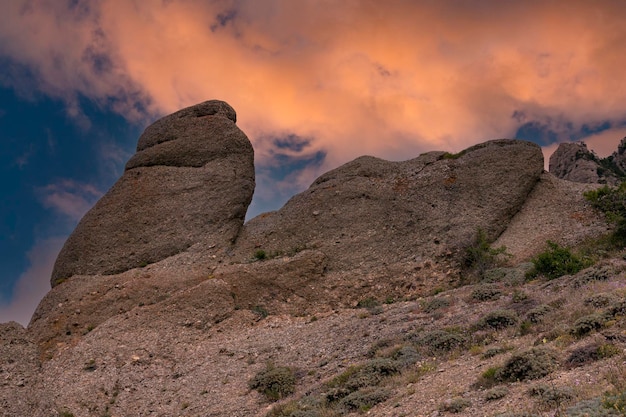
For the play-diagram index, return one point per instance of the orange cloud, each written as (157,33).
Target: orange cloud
(389,79)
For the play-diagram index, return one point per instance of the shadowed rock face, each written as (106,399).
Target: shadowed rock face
(190,181)
(575,162)
(619,156)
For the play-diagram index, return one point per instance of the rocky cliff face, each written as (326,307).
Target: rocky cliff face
(159,295)
(575,162)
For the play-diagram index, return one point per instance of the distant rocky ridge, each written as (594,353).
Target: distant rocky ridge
(164,263)
(575,162)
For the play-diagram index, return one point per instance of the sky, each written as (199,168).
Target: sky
(315,84)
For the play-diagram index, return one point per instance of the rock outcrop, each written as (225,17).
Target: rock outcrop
(371,212)
(165,303)
(190,181)
(575,162)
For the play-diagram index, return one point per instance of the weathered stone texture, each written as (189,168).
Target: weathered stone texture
(191,180)
(371,212)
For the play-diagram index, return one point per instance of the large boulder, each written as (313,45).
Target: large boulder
(190,181)
(370,212)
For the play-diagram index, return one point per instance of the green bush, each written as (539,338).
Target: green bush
(275,382)
(498,319)
(556,262)
(534,363)
(612,202)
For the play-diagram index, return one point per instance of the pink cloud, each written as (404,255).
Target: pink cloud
(390,80)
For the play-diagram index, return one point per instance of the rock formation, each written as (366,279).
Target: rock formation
(164,303)
(191,180)
(575,162)
(371,212)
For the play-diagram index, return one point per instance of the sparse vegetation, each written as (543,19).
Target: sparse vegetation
(371,304)
(496,393)
(364,399)
(612,202)
(552,396)
(590,408)
(275,382)
(599,300)
(435,304)
(537,314)
(404,355)
(588,323)
(480,256)
(438,341)
(486,292)
(455,405)
(488,378)
(531,364)
(498,319)
(591,352)
(519,296)
(260,311)
(494,351)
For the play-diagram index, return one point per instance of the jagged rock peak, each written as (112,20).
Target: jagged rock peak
(575,162)
(190,181)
